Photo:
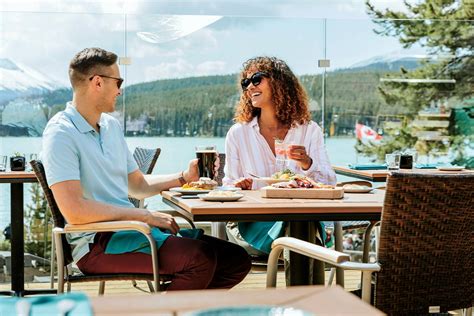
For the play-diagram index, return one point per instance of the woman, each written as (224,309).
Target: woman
(273,105)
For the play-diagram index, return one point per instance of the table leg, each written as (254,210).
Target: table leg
(17,242)
(299,272)
(338,247)
(17,246)
(299,265)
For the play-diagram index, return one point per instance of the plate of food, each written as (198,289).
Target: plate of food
(301,187)
(281,176)
(221,196)
(450,168)
(356,188)
(203,185)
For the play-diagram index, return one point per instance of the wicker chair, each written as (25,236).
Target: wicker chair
(339,227)
(426,250)
(146,160)
(63,249)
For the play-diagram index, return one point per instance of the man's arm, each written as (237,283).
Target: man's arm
(142,186)
(77,210)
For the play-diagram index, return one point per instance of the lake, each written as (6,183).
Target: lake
(175,155)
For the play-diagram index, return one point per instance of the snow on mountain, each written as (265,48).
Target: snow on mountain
(17,80)
(390,62)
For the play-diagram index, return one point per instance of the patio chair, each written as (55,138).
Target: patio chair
(146,160)
(426,249)
(63,249)
(339,227)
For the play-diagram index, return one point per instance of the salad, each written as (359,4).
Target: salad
(283,175)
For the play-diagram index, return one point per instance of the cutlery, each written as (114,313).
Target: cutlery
(253,175)
(65,306)
(23,308)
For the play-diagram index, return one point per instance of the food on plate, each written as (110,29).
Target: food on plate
(355,187)
(221,193)
(283,175)
(201,184)
(299,181)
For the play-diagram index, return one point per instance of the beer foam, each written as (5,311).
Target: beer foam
(205,151)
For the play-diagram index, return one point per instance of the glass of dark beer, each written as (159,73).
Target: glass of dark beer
(207,158)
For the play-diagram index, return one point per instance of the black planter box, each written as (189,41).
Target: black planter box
(17,163)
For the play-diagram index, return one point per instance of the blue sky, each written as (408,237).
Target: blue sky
(46,34)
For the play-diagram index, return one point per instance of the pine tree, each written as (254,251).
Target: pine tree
(445,28)
(37,224)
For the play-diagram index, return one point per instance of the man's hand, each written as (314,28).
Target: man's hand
(244,184)
(164,221)
(192,174)
(298,154)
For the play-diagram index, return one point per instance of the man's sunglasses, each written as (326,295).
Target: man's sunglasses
(255,79)
(119,80)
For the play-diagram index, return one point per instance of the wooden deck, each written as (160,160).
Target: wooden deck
(254,280)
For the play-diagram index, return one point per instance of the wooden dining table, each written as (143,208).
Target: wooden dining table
(380,175)
(299,213)
(317,300)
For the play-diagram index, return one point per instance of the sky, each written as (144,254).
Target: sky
(176,39)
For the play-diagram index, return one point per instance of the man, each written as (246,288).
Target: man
(91,173)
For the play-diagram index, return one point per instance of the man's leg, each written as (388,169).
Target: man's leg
(233,263)
(191,262)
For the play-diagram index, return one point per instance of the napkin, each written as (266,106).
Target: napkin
(368,167)
(48,305)
(426,166)
(134,241)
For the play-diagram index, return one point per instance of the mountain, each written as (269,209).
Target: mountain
(387,63)
(21,80)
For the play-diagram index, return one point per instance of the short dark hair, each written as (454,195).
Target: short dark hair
(87,62)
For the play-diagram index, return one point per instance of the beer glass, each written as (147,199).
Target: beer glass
(207,158)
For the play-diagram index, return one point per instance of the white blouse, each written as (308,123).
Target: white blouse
(247,151)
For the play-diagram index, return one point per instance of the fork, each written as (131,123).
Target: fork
(253,175)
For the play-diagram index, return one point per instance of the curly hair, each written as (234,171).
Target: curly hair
(288,95)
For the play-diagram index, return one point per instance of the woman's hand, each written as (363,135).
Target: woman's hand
(244,184)
(192,174)
(298,154)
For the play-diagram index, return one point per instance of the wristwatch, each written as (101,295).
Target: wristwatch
(181,178)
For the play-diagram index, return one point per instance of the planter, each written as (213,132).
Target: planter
(17,163)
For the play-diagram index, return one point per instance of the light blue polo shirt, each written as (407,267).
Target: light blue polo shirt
(73,150)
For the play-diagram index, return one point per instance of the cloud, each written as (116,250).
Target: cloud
(182,68)
(211,67)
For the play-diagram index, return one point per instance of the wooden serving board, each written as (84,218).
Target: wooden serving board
(271,192)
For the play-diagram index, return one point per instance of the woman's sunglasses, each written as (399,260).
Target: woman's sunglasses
(255,79)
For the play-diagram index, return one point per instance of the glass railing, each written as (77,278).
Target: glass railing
(181,84)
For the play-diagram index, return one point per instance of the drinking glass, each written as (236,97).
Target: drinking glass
(31,156)
(3,163)
(280,154)
(207,158)
(393,161)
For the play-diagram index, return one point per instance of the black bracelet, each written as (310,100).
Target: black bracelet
(181,179)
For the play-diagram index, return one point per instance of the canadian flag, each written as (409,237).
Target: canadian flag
(363,132)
